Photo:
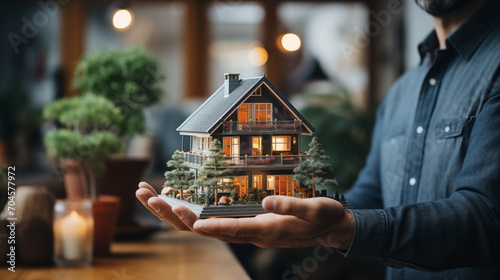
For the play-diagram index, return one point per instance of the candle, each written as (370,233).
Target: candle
(74,231)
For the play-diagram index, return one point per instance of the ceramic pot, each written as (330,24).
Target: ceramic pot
(72,178)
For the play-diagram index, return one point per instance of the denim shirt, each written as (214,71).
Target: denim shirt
(428,199)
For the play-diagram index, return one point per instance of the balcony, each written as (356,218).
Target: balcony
(248,161)
(264,126)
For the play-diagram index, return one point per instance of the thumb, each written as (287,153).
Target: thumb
(311,209)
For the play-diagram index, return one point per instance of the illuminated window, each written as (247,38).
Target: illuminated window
(281,143)
(263,112)
(204,143)
(255,112)
(232,146)
(245,112)
(282,184)
(241,183)
(257,181)
(256,146)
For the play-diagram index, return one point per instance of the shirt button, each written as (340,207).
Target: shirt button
(413,181)
(432,81)
(447,129)
(420,129)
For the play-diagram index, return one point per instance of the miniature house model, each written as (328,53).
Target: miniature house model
(260,134)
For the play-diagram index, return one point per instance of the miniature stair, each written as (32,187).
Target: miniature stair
(221,211)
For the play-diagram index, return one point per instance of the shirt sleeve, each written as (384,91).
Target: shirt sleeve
(366,192)
(460,231)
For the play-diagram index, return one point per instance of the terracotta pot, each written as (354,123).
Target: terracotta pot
(121,179)
(72,179)
(105,211)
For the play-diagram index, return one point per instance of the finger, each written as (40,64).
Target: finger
(237,227)
(143,195)
(312,209)
(164,212)
(185,215)
(144,185)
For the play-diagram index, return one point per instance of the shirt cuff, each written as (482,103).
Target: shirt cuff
(371,228)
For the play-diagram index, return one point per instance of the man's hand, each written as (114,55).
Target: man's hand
(292,222)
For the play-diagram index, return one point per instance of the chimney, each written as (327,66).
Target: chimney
(231,82)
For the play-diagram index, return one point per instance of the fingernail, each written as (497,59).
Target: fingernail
(270,206)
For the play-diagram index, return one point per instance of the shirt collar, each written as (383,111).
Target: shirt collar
(469,36)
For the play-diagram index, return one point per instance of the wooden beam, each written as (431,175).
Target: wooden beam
(72,40)
(196,44)
(270,32)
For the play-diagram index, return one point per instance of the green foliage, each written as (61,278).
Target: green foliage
(84,112)
(88,135)
(130,78)
(254,194)
(345,131)
(180,176)
(234,195)
(215,174)
(315,169)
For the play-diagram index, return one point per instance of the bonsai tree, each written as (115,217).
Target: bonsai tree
(215,175)
(130,78)
(314,169)
(180,176)
(88,134)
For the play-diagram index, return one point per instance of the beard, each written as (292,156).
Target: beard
(440,7)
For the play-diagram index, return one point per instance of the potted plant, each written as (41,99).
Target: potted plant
(130,78)
(86,138)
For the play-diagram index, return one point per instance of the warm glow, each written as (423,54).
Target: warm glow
(290,42)
(122,19)
(258,56)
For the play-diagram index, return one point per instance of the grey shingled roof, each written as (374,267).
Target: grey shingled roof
(217,107)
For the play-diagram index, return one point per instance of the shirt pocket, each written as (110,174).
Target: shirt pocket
(450,128)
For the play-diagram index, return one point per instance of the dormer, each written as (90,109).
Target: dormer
(231,82)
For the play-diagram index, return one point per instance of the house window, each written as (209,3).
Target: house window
(232,146)
(204,143)
(282,184)
(257,182)
(241,183)
(281,143)
(256,146)
(245,112)
(257,92)
(263,112)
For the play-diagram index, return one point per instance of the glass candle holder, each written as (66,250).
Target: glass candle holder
(73,232)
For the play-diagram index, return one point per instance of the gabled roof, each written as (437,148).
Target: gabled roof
(217,107)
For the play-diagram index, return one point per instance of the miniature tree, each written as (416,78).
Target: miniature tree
(180,176)
(215,175)
(315,168)
(88,134)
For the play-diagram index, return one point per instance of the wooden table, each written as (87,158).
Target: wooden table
(169,255)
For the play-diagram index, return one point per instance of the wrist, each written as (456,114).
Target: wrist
(348,231)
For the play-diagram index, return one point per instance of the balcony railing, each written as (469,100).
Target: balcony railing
(248,161)
(262,126)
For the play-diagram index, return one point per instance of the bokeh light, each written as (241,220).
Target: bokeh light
(122,19)
(290,42)
(258,56)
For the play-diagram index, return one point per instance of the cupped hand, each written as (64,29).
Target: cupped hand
(291,222)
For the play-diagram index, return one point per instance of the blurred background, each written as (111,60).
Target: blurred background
(334,60)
